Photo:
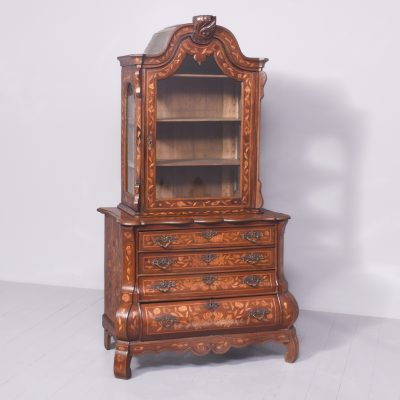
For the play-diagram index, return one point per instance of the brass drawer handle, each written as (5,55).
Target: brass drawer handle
(164,240)
(208,234)
(167,321)
(252,258)
(163,263)
(164,286)
(259,313)
(209,279)
(211,306)
(207,258)
(252,236)
(252,280)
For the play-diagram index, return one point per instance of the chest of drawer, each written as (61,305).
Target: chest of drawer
(199,317)
(205,261)
(175,287)
(206,238)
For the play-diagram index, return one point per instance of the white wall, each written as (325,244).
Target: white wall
(329,148)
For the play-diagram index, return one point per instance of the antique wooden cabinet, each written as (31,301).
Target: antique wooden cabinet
(192,260)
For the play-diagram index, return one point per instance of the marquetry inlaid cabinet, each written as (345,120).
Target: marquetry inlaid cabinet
(192,260)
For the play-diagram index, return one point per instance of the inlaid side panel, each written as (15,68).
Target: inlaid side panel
(128,296)
(131,136)
(112,267)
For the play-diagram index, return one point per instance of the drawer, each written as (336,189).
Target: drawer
(203,238)
(185,318)
(205,261)
(191,286)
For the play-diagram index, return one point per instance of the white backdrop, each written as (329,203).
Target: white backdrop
(329,143)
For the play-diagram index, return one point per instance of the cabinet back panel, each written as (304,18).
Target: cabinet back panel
(197,182)
(183,140)
(184,97)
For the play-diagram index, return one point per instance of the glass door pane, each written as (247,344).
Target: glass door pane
(130,138)
(198,133)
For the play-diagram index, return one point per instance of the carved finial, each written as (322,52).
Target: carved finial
(203,28)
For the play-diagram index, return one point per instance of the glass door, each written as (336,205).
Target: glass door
(198,129)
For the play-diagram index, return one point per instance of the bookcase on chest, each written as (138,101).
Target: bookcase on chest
(192,260)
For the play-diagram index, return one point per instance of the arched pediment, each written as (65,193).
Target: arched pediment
(201,34)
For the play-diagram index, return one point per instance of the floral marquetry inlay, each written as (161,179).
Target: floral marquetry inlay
(290,309)
(176,286)
(200,239)
(194,316)
(219,344)
(198,262)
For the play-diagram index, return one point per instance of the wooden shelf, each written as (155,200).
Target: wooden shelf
(208,162)
(199,120)
(200,76)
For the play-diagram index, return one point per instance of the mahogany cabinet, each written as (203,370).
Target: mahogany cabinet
(192,260)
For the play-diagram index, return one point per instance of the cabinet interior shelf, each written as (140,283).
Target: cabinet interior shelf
(198,120)
(209,162)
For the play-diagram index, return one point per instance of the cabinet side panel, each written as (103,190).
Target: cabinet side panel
(131,138)
(112,267)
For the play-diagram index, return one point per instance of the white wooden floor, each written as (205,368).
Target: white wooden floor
(51,347)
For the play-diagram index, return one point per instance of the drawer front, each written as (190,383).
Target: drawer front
(188,286)
(204,261)
(180,318)
(203,238)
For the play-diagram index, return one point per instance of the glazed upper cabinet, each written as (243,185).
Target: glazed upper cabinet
(190,129)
